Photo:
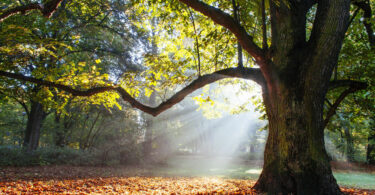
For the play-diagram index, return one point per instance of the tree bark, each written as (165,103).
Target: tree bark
(349,145)
(63,127)
(295,159)
(34,124)
(59,135)
(47,9)
(370,155)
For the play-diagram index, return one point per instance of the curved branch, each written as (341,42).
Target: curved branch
(244,73)
(227,21)
(66,88)
(47,9)
(353,87)
(246,41)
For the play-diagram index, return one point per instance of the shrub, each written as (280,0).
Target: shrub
(17,156)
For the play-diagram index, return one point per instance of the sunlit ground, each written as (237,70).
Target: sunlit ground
(179,175)
(238,169)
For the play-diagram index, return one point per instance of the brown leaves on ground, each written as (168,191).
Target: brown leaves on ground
(130,185)
(107,180)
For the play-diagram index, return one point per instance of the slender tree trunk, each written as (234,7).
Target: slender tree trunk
(59,135)
(371,148)
(147,145)
(34,124)
(349,145)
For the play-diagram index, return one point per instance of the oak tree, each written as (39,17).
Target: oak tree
(295,63)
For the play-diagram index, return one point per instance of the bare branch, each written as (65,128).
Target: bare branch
(239,47)
(47,9)
(264,26)
(353,87)
(332,110)
(244,73)
(196,40)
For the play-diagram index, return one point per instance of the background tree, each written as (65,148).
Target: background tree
(355,63)
(66,39)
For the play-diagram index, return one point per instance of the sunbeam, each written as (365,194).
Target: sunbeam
(209,138)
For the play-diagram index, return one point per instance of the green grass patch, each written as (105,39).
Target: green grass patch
(355,179)
(237,169)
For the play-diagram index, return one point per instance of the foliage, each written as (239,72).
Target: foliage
(65,49)
(356,62)
(12,122)
(16,156)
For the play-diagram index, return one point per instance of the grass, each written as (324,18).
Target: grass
(237,169)
(355,179)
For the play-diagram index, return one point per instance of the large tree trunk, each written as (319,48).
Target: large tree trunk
(34,124)
(295,159)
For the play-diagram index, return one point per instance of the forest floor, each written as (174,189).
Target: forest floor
(158,179)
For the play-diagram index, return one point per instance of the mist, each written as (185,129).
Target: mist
(218,136)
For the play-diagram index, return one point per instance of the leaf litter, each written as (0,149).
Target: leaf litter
(119,180)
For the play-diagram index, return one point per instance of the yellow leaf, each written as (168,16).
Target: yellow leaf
(148,92)
(81,63)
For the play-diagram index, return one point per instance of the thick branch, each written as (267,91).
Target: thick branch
(231,24)
(330,25)
(66,88)
(347,83)
(244,73)
(47,9)
(353,87)
(246,41)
